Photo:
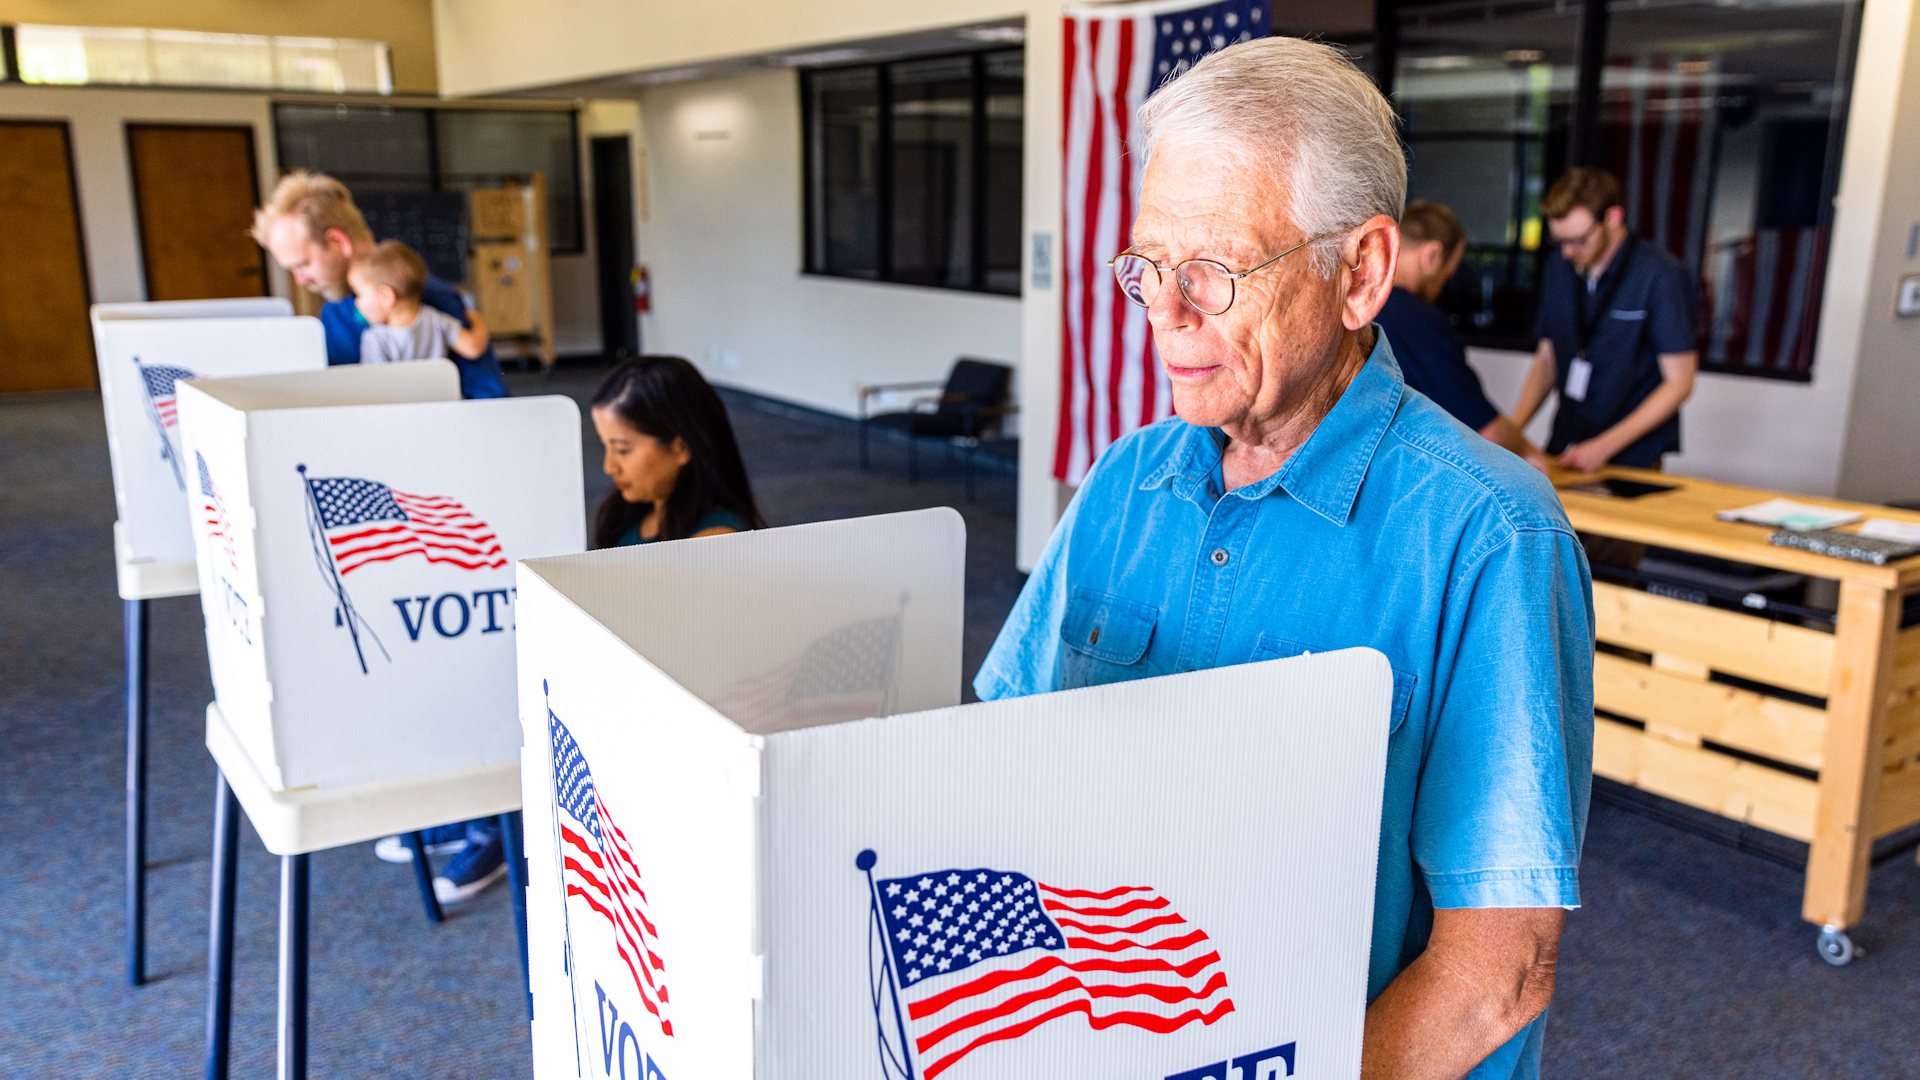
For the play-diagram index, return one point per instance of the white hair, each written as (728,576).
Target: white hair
(1303,110)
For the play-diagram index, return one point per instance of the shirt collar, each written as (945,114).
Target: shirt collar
(1325,473)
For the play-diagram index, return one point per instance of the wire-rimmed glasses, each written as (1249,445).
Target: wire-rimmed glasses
(1207,286)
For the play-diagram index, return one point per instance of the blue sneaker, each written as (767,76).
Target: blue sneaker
(480,863)
(439,840)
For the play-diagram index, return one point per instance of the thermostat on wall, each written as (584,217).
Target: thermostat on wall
(1909,302)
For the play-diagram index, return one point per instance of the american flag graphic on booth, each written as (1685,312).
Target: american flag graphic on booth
(849,674)
(980,956)
(597,865)
(365,521)
(1116,56)
(213,511)
(157,381)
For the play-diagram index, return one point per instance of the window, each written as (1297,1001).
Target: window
(125,56)
(913,171)
(1723,120)
(379,148)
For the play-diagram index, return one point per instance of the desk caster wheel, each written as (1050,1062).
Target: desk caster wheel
(1835,947)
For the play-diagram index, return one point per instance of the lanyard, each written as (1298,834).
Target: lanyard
(1584,327)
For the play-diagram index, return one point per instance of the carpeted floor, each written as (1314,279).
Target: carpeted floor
(1689,959)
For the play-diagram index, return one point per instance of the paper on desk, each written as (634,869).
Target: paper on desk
(1906,532)
(1788,514)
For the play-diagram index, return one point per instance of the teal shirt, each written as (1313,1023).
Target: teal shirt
(713,519)
(1392,527)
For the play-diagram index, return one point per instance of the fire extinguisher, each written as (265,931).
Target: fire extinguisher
(642,291)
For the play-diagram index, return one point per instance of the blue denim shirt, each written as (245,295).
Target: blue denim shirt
(1393,527)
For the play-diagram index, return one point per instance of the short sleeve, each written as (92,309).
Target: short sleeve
(1501,807)
(1670,311)
(1026,654)
(1548,297)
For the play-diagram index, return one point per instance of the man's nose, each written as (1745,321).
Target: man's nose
(1170,310)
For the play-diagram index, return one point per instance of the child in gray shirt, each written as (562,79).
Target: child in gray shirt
(386,283)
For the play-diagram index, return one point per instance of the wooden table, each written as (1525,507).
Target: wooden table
(1834,762)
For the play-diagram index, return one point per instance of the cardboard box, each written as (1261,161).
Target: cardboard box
(498,212)
(356,529)
(734,875)
(143,351)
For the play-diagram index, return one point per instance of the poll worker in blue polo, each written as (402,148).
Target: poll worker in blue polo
(1615,330)
(1302,500)
(313,230)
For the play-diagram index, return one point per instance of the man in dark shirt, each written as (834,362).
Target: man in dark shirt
(313,231)
(1432,357)
(1616,333)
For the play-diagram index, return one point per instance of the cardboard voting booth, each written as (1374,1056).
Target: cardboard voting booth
(356,530)
(766,840)
(144,352)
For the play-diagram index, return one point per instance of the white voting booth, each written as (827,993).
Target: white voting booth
(144,350)
(356,530)
(735,873)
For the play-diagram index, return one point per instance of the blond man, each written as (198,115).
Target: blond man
(312,229)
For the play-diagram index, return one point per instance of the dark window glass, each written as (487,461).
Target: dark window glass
(933,171)
(843,183)
(481,149)
(1723,122)
(913,171)
(372,149)
(1487,99)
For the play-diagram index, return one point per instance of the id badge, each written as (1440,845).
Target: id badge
(1579,374)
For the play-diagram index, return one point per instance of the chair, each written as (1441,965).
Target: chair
(292,824)
(971,405)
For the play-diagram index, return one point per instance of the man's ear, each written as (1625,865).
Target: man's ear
(338,240)
(1616,215)
(1367,261)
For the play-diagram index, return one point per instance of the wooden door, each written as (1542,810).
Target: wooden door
(45,339)
(194,190)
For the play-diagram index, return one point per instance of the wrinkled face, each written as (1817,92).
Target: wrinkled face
(1250,364)
(316,264)
(374,301)
(643,468)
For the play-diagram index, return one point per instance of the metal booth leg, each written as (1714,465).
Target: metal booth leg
(423,876)
(135,613)
(226,850)
(293,967)
(510,835)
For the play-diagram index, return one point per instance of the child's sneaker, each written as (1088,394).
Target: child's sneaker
(475,869)
(440,840)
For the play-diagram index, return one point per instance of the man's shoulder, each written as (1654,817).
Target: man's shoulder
(1405,311)
(442,297)
(1425,447)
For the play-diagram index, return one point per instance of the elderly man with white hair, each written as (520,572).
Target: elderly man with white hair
(1303,499)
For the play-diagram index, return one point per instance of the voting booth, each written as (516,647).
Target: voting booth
(144,352)
(356,530)
(767,841)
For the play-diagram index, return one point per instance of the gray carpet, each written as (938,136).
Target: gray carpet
(1689,959)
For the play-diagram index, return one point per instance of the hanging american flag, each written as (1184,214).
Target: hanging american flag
(978,956)
(157,380)
(364,521)
(597,865)
(1116,56)
(213,511)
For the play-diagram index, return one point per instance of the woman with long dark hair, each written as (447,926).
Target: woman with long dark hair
(675,466)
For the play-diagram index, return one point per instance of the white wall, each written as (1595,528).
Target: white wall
(722,243)
(96,123)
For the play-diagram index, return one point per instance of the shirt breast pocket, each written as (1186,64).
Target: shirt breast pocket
(1106,639)
(1276,648)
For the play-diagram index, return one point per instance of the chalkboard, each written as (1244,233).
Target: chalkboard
(433,223)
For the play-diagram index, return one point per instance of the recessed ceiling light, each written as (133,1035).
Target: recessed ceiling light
(993,33)
(1441,63)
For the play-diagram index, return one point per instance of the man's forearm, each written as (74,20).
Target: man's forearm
(1675,388)
(1484,976)
(1539,384)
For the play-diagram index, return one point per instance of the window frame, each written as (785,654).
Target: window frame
(437,178)
(977,238)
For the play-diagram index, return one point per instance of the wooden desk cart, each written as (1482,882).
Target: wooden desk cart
(1747,754)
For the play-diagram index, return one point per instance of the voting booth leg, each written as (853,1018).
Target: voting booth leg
(293,967)
(423,876)
(516,852)
(226,850)
(135,612)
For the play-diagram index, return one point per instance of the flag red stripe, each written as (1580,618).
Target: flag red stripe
(1159,1024)
(1157,991)
(1089,223)
(378,530)
(1117,307)
(1063,438)
(1168,944)
(1135,928)
(1119,909)
(929,1006)
(621,948)
(1083,894)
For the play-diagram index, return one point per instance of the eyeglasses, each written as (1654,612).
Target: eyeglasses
(1581,240)
(1207,286)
